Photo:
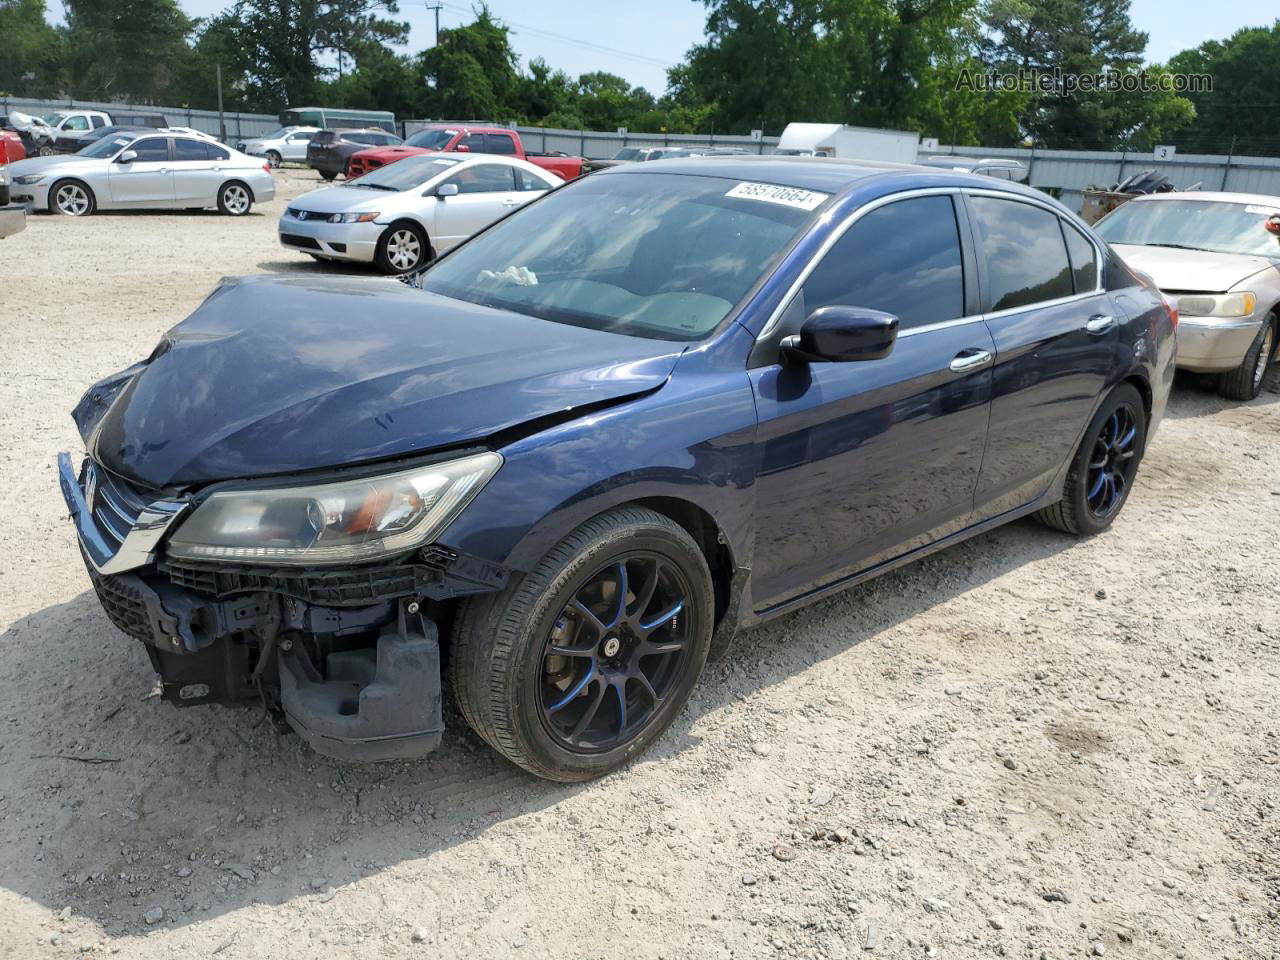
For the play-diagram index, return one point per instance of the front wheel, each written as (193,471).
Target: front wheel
(1103,469)
(71,198)
(402,248)
(1245,381)
(576,668)
(234,199)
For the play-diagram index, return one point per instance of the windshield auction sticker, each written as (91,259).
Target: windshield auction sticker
(772,193)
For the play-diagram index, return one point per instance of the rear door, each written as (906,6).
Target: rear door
(861,462)
(1056,333)
(295,146)
(194,181)
(148,179)
(486,191)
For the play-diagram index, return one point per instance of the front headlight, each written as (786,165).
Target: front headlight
(29,179)
(350,520)
(353,217)
(1217,304)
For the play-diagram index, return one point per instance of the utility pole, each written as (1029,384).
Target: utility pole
(222,121)
(436,8)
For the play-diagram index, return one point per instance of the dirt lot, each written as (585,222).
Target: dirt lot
(1027,746)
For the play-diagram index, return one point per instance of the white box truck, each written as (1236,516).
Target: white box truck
(853,143)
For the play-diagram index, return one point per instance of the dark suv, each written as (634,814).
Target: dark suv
(330,150)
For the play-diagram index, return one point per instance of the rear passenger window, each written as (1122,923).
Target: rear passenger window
(500,143)
(1023,250)
(1084,259)
(190,150)
(217,153)
(530,181)
(903,258)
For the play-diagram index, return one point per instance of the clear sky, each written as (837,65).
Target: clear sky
(639,39)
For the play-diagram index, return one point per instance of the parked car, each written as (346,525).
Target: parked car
(664,402)
(142,119)
(11,148)
(72,123)
(1214,255)
(998,167)
(77,143)
(402,217)
(330,151)
(135,170)
(338,118)
(286,144)
(13,216)
(463,138)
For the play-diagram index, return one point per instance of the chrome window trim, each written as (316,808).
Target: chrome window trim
(1040,305)
(776,317)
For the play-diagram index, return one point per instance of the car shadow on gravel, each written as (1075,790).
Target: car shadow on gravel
(1196,395)
(116,806)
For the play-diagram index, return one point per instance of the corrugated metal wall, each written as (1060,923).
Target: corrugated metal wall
(1065,172)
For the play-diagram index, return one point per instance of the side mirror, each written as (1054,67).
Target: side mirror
(446,190)
(837,334)
(127,157)
(462,148)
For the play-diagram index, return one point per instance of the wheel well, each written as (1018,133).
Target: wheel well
(707,535)
(1144,389)
(431,253)
(76,180)
(227,183)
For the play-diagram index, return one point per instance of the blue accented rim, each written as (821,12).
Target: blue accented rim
(1112,463)
(616,652)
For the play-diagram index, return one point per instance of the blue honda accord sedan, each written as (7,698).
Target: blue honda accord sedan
(663,403)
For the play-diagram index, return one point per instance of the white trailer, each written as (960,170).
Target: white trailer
(841,140)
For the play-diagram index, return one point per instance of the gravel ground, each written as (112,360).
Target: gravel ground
(1026,746)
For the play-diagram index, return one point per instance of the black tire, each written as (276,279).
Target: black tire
(326,175)
(72,198)
(500,667)
(235,199)
(274,159)
(402,248)
(1245,381)
(1079,510)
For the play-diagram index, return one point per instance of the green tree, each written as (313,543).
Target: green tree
(30,51)
(472,72)
(124,49)
(1243,106)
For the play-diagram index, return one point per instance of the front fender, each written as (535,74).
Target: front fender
(690,440)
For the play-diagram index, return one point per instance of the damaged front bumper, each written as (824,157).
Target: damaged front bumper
(350,657)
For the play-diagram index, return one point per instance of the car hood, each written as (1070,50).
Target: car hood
(344,199)
(273,375)
(51,165)
(1192,270)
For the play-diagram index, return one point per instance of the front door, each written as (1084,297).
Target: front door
(147,180)
(860,462)
(1056,334)
(486,192)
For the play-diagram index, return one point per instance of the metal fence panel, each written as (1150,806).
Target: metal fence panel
(239,125)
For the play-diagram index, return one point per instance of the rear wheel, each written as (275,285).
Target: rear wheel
(576,668)
(72,198)
(1103,469)
(274,159)
(326,175)
(234,199)
(402,248)
(1245,381)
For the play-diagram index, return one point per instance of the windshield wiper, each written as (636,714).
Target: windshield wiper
(1178,246)
(375,186)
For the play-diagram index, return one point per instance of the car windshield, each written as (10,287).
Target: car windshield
(53,119)
(431,139)
(276,134)
(630,153)
(649,255)
(406,174)
(1215,225)
(107,146)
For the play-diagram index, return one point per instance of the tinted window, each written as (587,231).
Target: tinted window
(485,178)
(190,150)
(365,138)
(99,122)
(217,153)
(500,143)
(1084,259)
(474,141)
(531,181)
(77,123)
(300,137)
(151,148)
(903,258)
(1022,247)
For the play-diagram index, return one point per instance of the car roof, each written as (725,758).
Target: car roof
(825,174)
(1261,199)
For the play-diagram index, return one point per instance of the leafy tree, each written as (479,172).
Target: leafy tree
(1244,105)
(124,49)
(473,72)
(30,52)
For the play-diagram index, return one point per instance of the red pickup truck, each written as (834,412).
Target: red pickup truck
(464,138)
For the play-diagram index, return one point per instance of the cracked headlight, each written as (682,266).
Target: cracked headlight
(350,520)
(1217,304)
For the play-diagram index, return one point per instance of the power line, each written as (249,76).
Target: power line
(599,47)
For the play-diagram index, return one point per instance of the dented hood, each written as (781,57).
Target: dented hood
(274,375)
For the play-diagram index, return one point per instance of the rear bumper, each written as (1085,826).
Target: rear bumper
(1209,345)
(341,241)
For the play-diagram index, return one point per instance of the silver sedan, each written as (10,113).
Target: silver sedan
(143,170)
(405,214)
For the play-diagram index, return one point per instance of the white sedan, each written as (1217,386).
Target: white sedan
(143,170)
(404,215)
(287,143)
